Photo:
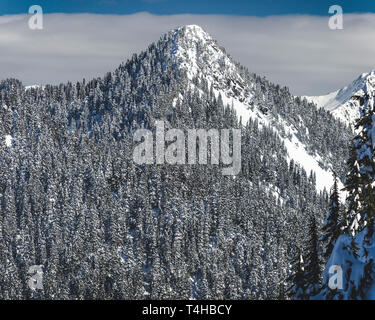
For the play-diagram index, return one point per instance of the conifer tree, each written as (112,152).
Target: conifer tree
(298,277)
(331,228)
(312,265)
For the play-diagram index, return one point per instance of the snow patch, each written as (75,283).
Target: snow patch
(8,140)
(35,86)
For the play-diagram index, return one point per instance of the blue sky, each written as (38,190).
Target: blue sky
(234,7)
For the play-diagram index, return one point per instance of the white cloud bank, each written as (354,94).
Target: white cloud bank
(298,51)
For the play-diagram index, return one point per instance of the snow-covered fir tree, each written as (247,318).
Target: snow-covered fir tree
(332,227)
(297,290)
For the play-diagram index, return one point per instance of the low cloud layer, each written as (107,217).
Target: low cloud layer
(300,52)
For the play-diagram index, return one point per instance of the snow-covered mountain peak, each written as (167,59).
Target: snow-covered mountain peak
(195,52)
(363,85)
(194,32)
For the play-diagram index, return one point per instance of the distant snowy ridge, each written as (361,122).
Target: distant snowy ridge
(341,102)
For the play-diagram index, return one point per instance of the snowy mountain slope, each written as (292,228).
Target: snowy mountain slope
(199,55)
(341,102)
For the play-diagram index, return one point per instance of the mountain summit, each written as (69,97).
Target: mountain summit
(199,55)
